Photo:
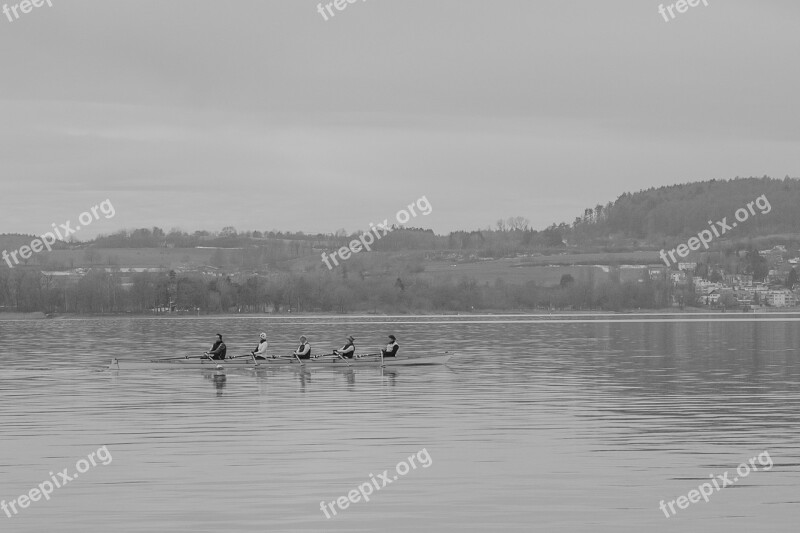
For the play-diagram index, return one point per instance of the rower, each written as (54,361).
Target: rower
(219,349)
(348,350)
(391,348)
(261,350)
(304,350)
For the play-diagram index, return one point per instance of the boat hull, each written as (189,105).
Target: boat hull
(321,362)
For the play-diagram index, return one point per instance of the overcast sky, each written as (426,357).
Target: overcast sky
(263,115)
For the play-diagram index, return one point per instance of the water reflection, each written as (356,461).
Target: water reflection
(350,377)
(390,375)
(219,378)
(304,375)
(307,376)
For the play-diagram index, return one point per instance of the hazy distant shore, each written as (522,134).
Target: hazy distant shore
(22,316)
(539,312)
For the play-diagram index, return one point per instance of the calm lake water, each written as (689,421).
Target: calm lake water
(556,424)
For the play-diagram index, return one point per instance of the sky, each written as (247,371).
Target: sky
(263,115)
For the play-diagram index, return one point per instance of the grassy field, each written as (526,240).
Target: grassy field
(638,257)
(544,270)
(510,271)
(129,257)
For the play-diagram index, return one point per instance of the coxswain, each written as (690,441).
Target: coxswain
(391,348)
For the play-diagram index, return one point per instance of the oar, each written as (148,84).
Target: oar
(298,359)
(251,354)
(359,356)
(341,357)
(239,356)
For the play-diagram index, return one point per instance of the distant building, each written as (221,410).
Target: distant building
(703,286)
(774,255)
(209,270)
(625,273)
(757,292)
(738,280)
(678,278)
(777,276)
(781,298)
(657,272)
(712,298)
(134,270)
(779,249)
(743,298)
(687,266)
(64,278)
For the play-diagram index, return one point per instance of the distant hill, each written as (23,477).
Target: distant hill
(679,211)
(12,241)
(646,220)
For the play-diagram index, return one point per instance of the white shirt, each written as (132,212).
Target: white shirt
(262,348)
(390,346)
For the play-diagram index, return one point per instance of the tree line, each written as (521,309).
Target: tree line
(103,292)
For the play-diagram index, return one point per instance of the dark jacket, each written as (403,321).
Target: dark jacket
(303,351)
(348,350)
(219,350)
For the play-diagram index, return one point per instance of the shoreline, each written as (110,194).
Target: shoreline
(12,316)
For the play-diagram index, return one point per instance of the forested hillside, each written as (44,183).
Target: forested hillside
(678,211)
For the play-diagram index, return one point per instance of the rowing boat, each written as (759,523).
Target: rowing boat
(317,362)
